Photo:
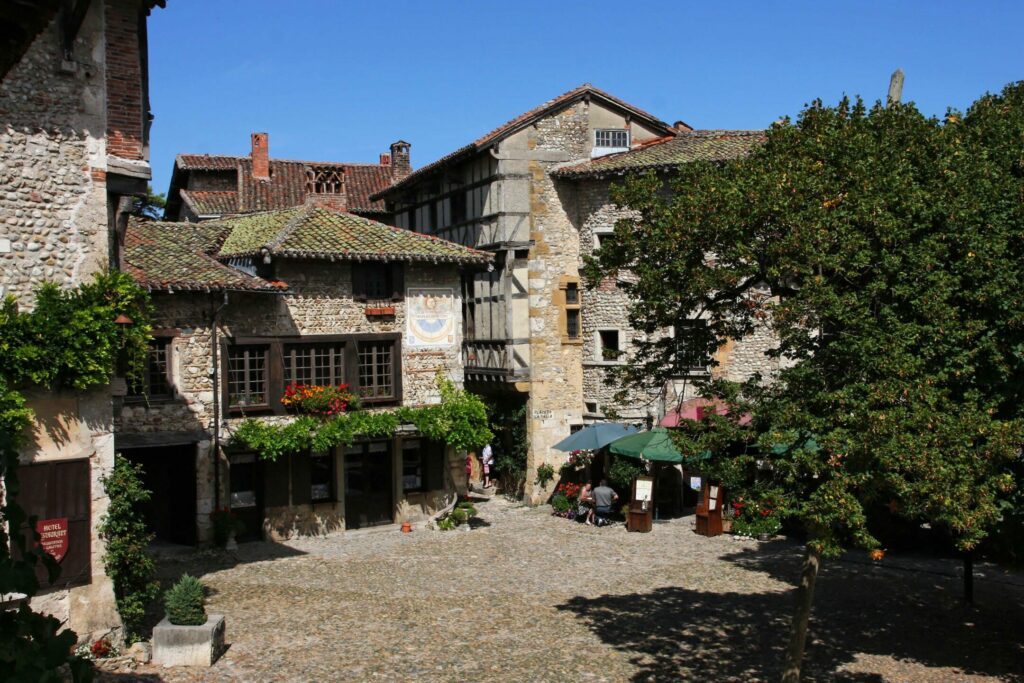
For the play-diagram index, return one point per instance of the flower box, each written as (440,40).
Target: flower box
(379,311)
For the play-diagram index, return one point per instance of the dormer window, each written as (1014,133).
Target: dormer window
(610,140)
(617,138)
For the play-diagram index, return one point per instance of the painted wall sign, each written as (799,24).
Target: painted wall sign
(430,317)
(53,536)
(542,415)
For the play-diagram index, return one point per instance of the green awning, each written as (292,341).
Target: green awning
(653,445)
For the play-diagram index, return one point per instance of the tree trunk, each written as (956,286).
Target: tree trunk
(798,631)
(969,577)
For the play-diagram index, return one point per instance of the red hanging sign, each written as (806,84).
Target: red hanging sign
(53,537)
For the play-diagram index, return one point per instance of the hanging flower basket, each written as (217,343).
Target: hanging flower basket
(580,459)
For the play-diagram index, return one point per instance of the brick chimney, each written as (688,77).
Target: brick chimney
(385,159)
(400,166)
(261,156)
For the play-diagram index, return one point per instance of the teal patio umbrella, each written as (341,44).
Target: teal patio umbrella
(653,445)
(594,436)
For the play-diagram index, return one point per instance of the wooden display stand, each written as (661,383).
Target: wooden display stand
(709,510)
(641,506)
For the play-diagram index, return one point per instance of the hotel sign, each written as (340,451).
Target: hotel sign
(53,537)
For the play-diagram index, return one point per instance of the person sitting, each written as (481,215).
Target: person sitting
(603,497)
(586,499)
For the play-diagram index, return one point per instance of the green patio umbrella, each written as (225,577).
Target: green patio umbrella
(653,445)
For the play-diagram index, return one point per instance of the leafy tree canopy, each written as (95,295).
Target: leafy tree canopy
(884,250)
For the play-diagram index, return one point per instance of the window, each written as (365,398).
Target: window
(156,382)
(321,364)
(570,314)
(608,344)
(603,239)
(257,371)
(247,376)
(376,281)
(412,466)
(691,346)
(325,180)
(612,137)
(575,428)
(591,407)
(458,204)
(376,370)
(321,477)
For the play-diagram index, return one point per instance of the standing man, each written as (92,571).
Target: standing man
(487,458)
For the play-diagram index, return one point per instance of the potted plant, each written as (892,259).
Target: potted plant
(226,526)
(187,636)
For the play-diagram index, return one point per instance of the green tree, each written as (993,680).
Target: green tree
(68,341)
(127,559)
(884,248)
(150,206)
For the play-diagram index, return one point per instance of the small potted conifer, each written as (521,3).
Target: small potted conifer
(187,636)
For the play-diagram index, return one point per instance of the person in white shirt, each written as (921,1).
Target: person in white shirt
(487,458)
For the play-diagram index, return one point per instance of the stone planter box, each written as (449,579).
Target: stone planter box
(188,645)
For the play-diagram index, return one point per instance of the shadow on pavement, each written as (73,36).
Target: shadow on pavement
(677,633)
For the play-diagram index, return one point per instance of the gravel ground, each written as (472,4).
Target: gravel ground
(530,597)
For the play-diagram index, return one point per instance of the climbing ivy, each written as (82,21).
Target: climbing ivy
(460,420)
(69,341)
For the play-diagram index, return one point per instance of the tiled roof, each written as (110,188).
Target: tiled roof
(287,185)
(363,180)
(206,162)
(211,202)
(522,121)
(176,256)
(669,152)
(321,233)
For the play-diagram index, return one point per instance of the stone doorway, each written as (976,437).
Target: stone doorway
(169,472)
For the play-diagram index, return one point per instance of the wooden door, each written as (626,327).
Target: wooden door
(369,482)
(59,490)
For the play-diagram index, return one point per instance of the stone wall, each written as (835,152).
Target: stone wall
(319,302)
(53,228)
(556,372)
(53,215)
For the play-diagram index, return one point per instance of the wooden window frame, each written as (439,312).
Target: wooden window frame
(275,367)
(394,274)
(565,283)
(267,376)
(373,400)
(166,341)
(680,368)
(337,364)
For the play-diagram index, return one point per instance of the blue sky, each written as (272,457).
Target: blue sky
(339,81)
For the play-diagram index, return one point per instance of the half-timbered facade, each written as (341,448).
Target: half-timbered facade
(535,191)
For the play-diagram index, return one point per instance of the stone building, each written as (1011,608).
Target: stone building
(74,150)
(247,306)
(535,191)
(210,186)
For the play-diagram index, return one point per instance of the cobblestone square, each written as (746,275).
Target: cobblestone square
(530,597)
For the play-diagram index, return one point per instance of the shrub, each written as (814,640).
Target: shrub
(624,470)
(545,473)
(560,503)
(127,537)
(184,602)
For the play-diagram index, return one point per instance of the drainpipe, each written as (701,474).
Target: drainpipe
(216,402)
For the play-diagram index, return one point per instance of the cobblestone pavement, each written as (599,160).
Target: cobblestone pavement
(536,598)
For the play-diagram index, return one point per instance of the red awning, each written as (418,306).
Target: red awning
(696,409)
